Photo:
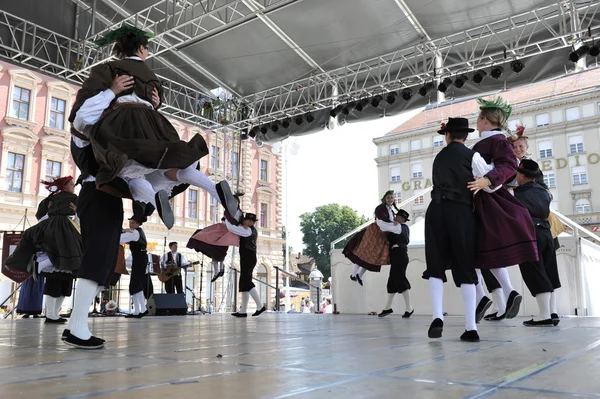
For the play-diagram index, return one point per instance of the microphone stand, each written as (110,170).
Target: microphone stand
(201,270)
(194,299)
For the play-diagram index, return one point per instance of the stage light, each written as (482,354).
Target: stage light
(443,86)
(594,50)
(264,129)
(478,76)
(407,94)
(244,134)
(423,91)
(460,81)
(359,106)
(254,131)
(298,120)
(376,100)
(275,126)
(580,52)
(286,123)
(364,102)
(333,113)
(496,72)
(391,97)
(517,66)
(309,117)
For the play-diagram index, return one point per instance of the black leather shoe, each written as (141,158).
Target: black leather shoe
(238,314)
(226,197)
(164,209)
(385,313)
(482,307)
(539,323)
(494,317)
(66,333)
(216,277)
(130,316)
(139,316)
(259,312)
(60,320)
(436,328)
(359,280)
(513,305)
(470,336)
(406,315)
(91,343)
(555,319)
(353,278)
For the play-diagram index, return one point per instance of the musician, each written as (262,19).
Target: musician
(136,238)
(174,257)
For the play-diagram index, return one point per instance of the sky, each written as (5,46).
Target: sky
(335,166)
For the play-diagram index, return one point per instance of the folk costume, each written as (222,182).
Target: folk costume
(368,249)
(398,238)
(31,297)
(248,236)
(450,235)
(541,277)
(136,239)
(131,140)
(175,283)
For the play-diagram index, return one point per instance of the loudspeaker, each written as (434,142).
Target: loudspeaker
(167,305)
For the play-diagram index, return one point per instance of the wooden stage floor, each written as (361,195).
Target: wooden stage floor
(300,356)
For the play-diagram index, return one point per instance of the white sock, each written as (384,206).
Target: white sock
(244,304)
(479,287)
(59,302)
(553,302)
(499,301)
(134,305)
(142,190)
(256,297)
(503,278)
(355,271)
(50,307)
(78,322)
(193,176)
(390,299)
(221,267)
(436,290)
(362,272)
(543,301)
(215,267)
(140,302)
(407,301)
(468,295)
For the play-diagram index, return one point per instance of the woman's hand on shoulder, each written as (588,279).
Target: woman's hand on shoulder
(479,184)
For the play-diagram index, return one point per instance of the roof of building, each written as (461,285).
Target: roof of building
(301,264)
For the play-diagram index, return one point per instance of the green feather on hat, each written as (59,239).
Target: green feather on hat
(114,35)
(497,103)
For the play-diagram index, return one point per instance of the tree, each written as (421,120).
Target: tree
(324,225)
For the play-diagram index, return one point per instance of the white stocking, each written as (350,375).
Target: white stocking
(221,267)
(142,190)
(256,298)
(436,290)
(356,267)
(499,301)
(193,176)
(244,304)
(362,272)
(468,294)
(78,322)
(390,299)
(543,301)
(215,267)
(135,309)
(51,307)
(59,302)
(479,287)
(139,301)
(503,278)
(407,301)
(553,302)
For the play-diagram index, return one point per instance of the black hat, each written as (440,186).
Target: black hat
(250,216)
(456,125)
(529,168)
(403,214)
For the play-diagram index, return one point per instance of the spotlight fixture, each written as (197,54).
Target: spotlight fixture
(359,106)
(244,134)
(478,76)
(364,102)
(423,90)
(407,94)
(391,97)
(333,113)
(460,81)
(594,50)
(309,117)
(517,66)
(580,52)
(259,142)
(299,120)
(254,131)
(275,126)
(443,86)
(264,129)
(496,72)
(346,110)
(286,123)
(376,100)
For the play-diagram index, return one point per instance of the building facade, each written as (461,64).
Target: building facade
(561,120)
(35,145)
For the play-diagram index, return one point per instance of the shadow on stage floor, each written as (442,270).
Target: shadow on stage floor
(300,356)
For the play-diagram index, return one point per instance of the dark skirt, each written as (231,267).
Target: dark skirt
(31,296)
(368,249)
(215,252)
(505,231)
(138,133)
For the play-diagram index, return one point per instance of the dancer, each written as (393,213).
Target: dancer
(450,227)
(136,238)
(31,297)
(131,140)
(398,235)
(541,277)
(248,236)
(368,249)
(178,260)
(505,233)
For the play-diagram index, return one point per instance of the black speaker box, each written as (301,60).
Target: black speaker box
(167,305)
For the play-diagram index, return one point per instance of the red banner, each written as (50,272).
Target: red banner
(9,243)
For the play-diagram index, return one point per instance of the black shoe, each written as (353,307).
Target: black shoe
(482,307)
(406,315)
(66,332)
(259,312)
(539,323)
(513,305)
(226,197)
(555,319)
(359,280)
(139,316)
(130,316)
(60,320)
(353,278)
(494,317)
(470,336)
(164,209)
(216,277)
(436,328)
(238,314)
(91,343)
(385,313)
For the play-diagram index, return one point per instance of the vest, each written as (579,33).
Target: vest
(401,240)
(138,246)
(452,171)
(537,201)
(249,243)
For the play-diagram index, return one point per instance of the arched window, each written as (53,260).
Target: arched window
(583,205)
(261,274)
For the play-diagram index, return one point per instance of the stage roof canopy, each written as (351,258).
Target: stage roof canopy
(268,60)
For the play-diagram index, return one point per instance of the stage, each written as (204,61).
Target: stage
(300,356)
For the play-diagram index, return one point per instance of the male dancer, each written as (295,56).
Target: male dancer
(136,238)
(398,235)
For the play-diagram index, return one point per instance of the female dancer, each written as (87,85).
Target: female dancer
(368,249)
(131,140)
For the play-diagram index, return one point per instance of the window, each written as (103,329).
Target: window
(512,125)
(20,105)
(550,180)
(419,200)
(14,172)
(214,209)
(545,148)
(398,198)
(573,114)
(263,215)
(582,205)
(415,145)
(264,166)
(192,204)
(394,149)
(438,141)
(53,170)
(575,144)
(57,113)
(234,164)
(579,175)
(214,157)
(542,120)
(395,173)
(417,171)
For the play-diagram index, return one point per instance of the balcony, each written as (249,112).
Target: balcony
(586,219)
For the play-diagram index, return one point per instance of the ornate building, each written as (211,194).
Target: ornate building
(561,119)
(35,143)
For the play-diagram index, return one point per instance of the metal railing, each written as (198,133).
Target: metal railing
(296,278)
(235,279)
